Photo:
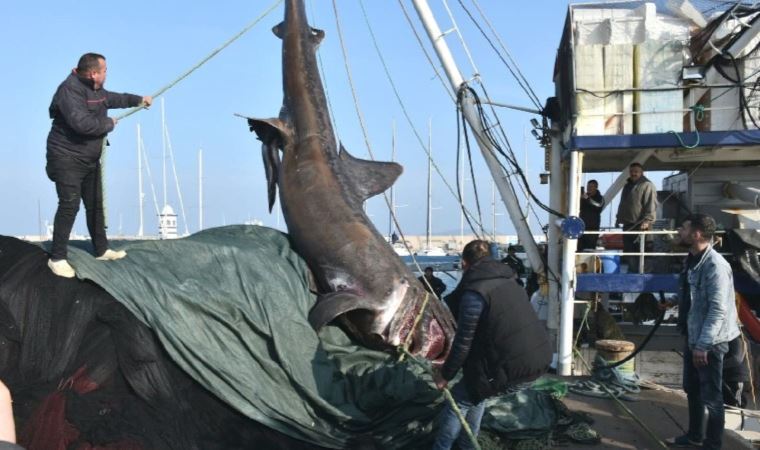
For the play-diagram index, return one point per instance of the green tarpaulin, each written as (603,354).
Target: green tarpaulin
(230,306)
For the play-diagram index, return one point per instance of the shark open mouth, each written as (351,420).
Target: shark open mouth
(430,339)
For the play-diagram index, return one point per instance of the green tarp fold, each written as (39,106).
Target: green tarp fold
(230,306)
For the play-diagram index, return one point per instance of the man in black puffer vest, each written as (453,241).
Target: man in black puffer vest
(499,342)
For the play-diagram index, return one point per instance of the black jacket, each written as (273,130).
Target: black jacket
(80,118)
(439,287)
(591,211)
(509,344)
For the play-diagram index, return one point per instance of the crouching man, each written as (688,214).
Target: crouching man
(499,342)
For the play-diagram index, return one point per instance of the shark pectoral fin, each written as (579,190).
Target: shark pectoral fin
(317,36)
(329,306)
(369,177)
(271,133)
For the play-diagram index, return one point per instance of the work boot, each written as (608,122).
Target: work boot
(62,268)
(683,442)
(112,255)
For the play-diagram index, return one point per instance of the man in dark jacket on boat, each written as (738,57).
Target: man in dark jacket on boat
(637,210)
(74,145)
(429,281)
(592,204)
(499,342)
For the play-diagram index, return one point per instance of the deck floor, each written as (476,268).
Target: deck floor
(663,412)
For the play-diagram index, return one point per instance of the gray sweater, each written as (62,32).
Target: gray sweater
(638,202)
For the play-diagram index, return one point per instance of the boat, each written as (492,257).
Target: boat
(400,249)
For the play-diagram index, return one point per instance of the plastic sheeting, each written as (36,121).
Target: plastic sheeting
(230,306)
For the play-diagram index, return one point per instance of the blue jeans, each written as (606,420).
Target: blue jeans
(449,427)
(703,387)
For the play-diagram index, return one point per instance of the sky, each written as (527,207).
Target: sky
(148,44)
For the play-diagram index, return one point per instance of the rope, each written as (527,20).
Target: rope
(403,106)
(166,88)
(699,114)
(207,58)
(625,408)
(424,50)
(417,319)
(609,392)
(450,399)
(466,49)
(520,80)
(371,153)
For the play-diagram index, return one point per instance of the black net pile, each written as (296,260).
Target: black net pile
(86,374)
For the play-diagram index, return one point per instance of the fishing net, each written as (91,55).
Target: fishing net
(207,347)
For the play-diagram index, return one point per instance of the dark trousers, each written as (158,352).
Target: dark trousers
(703,387)
(631,246)
(76,180)
(588,241)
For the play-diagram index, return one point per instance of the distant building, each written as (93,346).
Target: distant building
(167,223)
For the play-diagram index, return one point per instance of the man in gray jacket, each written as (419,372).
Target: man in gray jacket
(707,300)
(637,210)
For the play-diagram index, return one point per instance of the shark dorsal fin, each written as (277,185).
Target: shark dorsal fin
(279,30)
(368,178)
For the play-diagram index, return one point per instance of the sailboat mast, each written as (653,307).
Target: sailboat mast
(200,189)
(461,196)
(527,176)
(429,184)
(163,145)
(393,191)
(140,194)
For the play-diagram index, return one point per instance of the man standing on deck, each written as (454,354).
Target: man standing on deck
(499,342)
(592,204)
(637,210)
(74,145)
(707,313)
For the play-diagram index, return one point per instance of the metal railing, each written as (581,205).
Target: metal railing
(642,253)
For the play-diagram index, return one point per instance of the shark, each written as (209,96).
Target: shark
(362,284)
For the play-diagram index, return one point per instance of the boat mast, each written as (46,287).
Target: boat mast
(393,192)
(200,189)
(473,119)
(493,210)
(429,185)
(140,194)
(163,146)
